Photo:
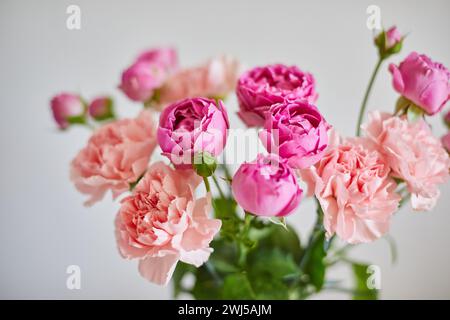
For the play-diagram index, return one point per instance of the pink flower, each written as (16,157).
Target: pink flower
(165,57)
(446,141)
(422,81)
(258,89)
(161,223)
(116,155)
(65,106)
(393,36)
(141,79)
(296,131)
(101,108)
(215,79)
(190,126)
(266,187)
(413,154)
(355,191)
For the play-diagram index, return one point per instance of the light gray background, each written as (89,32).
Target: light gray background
(45,228)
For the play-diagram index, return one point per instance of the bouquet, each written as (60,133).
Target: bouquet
(190,218)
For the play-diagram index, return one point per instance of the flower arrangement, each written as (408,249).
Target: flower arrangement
(233,238)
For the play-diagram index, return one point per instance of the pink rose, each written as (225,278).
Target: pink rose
(165,57)
(266,187)
(413,154)
(116,155)
(141,79)
(258,89)
(161,223)
(101,108)
(422,81)
(215,79)
(296,131)
(393,36)
(446,141)
(355,191)
(65,106)
(190,126)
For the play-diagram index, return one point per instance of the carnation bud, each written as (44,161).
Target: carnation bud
(101,108)
(204,164)
(389,42)
(68,109)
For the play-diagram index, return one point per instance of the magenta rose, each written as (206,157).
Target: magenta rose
(422,81)
(148,73)
(164,57)
(101,108)
(258,89)
(191,126)
(393,37)
(266,186)
(297,132)
(66,106)
(141,79)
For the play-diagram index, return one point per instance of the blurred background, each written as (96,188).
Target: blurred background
(44,227)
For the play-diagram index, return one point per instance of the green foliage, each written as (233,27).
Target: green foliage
(314,263)
(237,287)
(362,292)
(225,210)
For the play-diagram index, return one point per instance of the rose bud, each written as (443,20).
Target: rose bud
(297,132)
(266,187)
(68,109)
(389,42)
(422,81)
(214,79)
(258,89)
(165,57)
(141,79)
(101,108)
(447,119)
(191,126)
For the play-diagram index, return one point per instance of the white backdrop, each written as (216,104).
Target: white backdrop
(45,228)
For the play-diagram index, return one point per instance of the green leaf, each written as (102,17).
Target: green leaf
(362,292)
(315,266)
(206,287)
(225,210)
(402,105)
(269,270)
(237,287)
(275,236)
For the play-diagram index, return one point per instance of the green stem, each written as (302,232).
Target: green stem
(222,195)
(316,232)
(362,111)
(207,186)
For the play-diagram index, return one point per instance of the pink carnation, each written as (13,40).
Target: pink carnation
(413,154)
(161,223)
(214,79)
(116,155)
(355,191)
